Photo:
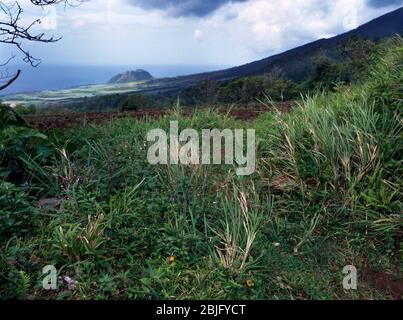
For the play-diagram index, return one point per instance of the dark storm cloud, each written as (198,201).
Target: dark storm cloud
(198,8)
(384,3)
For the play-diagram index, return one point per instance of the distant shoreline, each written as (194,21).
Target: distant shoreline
(64,77)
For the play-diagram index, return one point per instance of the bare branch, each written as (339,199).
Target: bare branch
(10,81)
(13,33)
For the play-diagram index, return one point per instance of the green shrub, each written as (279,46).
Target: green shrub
(386,77)
(77,243)
(8,117)
(17,214)
(17,143)
(25,109)
(135,102)
(251,89)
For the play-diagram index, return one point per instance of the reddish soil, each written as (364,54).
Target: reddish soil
(385,282)
(71,120)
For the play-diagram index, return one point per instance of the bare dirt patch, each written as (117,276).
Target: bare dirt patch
(72,120)
(385,282)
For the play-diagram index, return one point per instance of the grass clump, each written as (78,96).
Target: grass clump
(339,153)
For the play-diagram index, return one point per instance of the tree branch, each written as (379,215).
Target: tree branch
(14,33)
(9,82)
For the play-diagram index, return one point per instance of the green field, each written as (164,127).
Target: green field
(66,95)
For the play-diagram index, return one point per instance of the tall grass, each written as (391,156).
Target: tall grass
(237,227)
(344,147)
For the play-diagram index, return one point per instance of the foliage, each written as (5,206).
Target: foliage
(9,117)
(246,90)
(202,93)
(18,144)
(347,65)
(134,102)
(385,84)
(23,109)
(16,212)
(344,149)
(76,242)
(238,229)
(356,55)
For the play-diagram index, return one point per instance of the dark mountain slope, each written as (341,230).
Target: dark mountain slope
(296,62)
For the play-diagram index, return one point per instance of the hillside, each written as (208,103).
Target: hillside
(295,63)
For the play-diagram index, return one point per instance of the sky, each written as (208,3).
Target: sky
(190,32)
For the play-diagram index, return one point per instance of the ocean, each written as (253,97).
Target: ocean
(53,77)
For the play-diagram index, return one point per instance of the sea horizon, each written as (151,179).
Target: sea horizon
(48,77)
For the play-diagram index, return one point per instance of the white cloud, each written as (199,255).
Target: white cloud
(115,32)
(263,27)
(198,35)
